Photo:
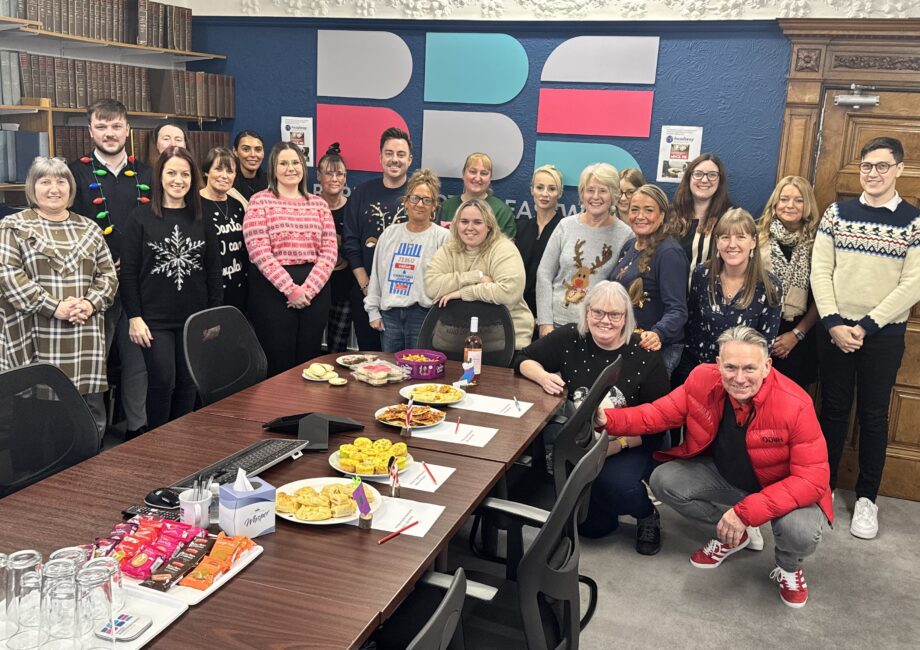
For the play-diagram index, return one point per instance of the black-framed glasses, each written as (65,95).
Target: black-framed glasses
(600,314)
(415,199)
(699,175)
(880,167)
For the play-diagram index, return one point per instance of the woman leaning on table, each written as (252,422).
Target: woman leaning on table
(567,361)
(56,281)
(477,184)
(291,240)
(479,262)
(787,234)
(170,270)
(700,200)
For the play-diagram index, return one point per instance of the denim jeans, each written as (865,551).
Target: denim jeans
(619,490)
(401,326)
(133,379)
(696,490)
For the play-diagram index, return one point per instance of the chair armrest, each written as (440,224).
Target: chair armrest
(474,589)
(528,514)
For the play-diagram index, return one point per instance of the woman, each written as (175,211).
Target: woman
(170,270)
(731,289)
(479,262)
(56,281)
(568,360)
(249,151)
(700,199)
(333,178)
(787,234)
(165,135)
(225,215)
(477,179)
(532,234)
(582,250)
(653,267)
(631,179)
(290,236)
(396,301)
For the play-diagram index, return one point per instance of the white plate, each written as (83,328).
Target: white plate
(406,391)
(318,484)
(312,378)
(364,359)
(334,461)
(159,607)
(379,411)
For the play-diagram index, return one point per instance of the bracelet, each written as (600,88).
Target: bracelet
(624,443)
(799,334)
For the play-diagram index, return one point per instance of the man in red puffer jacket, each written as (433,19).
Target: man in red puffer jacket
(753,444)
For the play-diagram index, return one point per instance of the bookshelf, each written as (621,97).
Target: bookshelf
(32,115)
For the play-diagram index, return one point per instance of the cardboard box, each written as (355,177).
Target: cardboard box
(248,513)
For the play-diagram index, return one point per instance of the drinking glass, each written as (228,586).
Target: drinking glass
(79,555)
(59,629)
(23,599)
(95,609)
(3,580)
(111,565)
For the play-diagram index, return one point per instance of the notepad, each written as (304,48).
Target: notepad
(493,405)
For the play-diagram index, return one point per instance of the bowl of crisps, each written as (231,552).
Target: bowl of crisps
(422,364)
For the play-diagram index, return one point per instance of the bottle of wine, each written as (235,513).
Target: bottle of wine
(472,349)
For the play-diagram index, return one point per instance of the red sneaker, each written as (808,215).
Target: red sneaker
(715,552)
(792,588)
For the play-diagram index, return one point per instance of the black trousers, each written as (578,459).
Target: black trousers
(170,389)
(288,336)
(368,337)
(871,372)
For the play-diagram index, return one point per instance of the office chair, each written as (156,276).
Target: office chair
(445,329)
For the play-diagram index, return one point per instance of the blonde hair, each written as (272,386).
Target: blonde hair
(811,217)
(739,220)
(427,178)
(637,287)
(488,216)
(478,157)
(552,171)
(605,174)
(42,167)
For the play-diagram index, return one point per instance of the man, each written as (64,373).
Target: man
(373,206)
(865,276)
(753,444)
(110,184)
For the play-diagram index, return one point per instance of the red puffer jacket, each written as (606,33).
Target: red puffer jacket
(784,440)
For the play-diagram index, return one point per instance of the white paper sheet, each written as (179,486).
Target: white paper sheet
(493,405)
(447,431)
(416,478)
(396,513)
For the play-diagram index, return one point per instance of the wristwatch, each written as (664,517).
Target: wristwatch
(624,443)
(799,334)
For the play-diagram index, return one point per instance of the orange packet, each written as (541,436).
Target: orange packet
(204,575)
(225,550)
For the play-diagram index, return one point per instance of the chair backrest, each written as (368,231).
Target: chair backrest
(45,425)
(548,572)
(445,329)
(575,437)
(222,352)
(439,631)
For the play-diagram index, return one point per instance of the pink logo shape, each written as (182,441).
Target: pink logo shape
(624,113)
(357,129)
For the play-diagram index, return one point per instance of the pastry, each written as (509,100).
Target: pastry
(313,513)
(399,449)
(286,503)
(362,443)
(347,464)
(346,451)
(382,445)
(312,500)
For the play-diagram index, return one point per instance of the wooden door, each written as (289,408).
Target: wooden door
(843,132)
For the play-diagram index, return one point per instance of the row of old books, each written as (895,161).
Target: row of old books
(74,83)
(138,22)
(17,151)
(10,85)
(72,142)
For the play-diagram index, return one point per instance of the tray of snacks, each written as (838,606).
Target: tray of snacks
(320,372)
(367,459)
(422,364)
(422,416)
(351,360)
(433,393)
(378,373)
(322,501)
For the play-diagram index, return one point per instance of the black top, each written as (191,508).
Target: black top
(226,218)
(531,243)
(371,207)
(579,361)
(342,279)
(729,451)
(171,267)
(249,186)
(120,192)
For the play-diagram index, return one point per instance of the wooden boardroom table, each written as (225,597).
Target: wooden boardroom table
(314,586)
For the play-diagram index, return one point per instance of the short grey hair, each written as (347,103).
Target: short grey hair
(42,167)
(607,291)
(744,334)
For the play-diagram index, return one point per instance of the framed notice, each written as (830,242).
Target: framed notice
(679,145)
(299,130)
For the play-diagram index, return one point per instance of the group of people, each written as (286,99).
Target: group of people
(703,303)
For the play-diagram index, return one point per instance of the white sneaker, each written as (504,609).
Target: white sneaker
(756,539)
(865,519)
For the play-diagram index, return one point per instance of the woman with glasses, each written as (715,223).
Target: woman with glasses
(477,184)
(732,288)
(396,301)
(787,231)
(566,362)
(290,236)
(700,200)
(631,179)
(333,179)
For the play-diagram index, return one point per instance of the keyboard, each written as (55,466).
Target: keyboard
(254,459)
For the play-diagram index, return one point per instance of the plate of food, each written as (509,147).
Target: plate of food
(322,501)
(368,459)
(351,360)
(319,372)
(433,393)
(422,416)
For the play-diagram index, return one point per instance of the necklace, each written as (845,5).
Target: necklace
(104,215)
(730,295)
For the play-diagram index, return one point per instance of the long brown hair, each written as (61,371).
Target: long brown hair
(192,199)
(682,208)
(637,287)
(735,221)
(273,163)
(810,215)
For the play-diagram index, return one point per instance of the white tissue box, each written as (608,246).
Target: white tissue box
(249,513)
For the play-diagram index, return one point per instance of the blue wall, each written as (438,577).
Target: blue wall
(728,77)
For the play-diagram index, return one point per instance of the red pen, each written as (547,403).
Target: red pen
(457,429)
(433,479)
(394,534)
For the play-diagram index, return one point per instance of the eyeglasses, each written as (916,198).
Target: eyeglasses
(880,167)
(710,176)
(334,174)
(415,199)
(600,314)
(628,193)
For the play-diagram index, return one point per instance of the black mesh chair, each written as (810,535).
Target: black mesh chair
(446,328)
(222,353)
(45,426)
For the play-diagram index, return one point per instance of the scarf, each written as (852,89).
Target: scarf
(793,273)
